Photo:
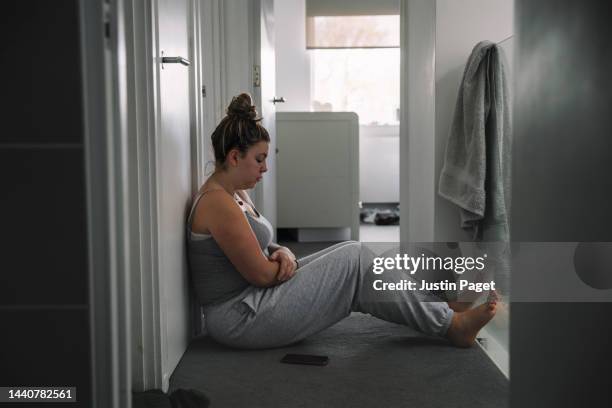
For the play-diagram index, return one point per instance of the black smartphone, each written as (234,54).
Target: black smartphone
(305,359)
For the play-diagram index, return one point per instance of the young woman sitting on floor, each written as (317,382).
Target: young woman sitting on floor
(256,294)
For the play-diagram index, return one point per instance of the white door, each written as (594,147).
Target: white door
(264,93)
(173,181)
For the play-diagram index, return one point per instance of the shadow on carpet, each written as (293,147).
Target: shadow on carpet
(372,363)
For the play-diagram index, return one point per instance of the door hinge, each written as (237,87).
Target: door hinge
(203,91)
(256,75)
(107,30)
(107,22)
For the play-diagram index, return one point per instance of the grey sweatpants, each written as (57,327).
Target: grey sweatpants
(326,288)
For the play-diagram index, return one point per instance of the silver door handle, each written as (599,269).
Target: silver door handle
(278,100)
(176,60)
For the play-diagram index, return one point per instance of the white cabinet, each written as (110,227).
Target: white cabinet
(318,170)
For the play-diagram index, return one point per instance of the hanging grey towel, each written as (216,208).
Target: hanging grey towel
(476,172)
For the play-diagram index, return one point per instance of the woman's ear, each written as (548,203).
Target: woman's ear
(232,157)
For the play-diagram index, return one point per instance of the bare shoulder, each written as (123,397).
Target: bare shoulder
(215,206)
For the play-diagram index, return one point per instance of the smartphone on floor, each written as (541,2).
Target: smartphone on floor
(307,359)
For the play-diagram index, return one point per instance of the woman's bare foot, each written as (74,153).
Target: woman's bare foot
(459,306)
(493,296)
(466,304)
(466,325)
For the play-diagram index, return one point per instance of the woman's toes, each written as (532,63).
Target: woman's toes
(466,325)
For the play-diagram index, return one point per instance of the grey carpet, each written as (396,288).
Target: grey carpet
(372,364)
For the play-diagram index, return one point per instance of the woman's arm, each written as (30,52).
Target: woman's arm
(273,247)
(278,253)
(231,230)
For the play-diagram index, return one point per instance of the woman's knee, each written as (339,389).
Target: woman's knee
(347,260)
(351,251)
(354,247)
(344,245)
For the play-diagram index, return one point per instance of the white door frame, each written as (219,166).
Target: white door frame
(105,110)
(146,325)
(417,120)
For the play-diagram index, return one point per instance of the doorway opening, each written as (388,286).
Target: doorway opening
(345,57)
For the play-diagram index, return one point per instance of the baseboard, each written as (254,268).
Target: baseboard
(499,355)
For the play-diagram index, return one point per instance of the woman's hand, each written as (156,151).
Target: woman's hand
(288,264)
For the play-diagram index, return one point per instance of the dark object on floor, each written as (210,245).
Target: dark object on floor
(369,211)
(306,359)
(366,215)
(375,364)
(386,217)
(180,398)
(151,399)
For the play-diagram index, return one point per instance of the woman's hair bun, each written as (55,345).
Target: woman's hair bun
(239,129)
(242,107)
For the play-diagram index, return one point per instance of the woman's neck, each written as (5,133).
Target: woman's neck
(224,181)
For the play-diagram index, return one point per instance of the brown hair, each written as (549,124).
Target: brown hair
(239,129)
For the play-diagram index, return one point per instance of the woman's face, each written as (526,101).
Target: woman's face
(252,166)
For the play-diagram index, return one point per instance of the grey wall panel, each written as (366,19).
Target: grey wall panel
(560,352)
(560,355)
(45,337)
(562,188)
(41,92)
(46,348)
(44,251)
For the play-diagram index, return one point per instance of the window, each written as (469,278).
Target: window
(355,66)
(352,32)
(362,80)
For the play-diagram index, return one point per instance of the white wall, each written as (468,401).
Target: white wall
(379,164)
(292,59)
(459,26)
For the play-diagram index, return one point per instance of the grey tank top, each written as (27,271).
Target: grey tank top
(214,277)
